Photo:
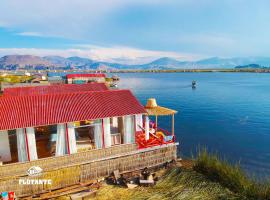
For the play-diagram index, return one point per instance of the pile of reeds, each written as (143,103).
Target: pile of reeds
(210,178)
(176,183)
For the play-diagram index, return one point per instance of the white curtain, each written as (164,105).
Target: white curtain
(115,121)
(98,135)
(107,132)
(146,126)
(129,134)
(139,122)
(61,140)
(72,138)
(31,138)
(5,154)
(21,145)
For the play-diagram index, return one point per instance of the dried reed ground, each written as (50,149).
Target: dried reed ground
(176,183)
(210,178)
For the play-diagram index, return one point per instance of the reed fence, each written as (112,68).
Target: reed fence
(82,167)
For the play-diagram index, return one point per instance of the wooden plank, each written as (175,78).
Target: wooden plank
(83,195)
(131,186)
(116,174)
(79,189)
(147,182)
(89,184)
(59,191)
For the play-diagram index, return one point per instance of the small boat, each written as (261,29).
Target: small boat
(193,84)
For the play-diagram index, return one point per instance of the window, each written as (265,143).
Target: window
(88,134)
(116,124)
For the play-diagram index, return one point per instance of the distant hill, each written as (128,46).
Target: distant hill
(217,62)
(23,60)
(78,61)
(169,62)
(209,63)
(58,62)
(163,63)
(251,66)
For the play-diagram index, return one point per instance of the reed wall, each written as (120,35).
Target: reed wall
(82,167)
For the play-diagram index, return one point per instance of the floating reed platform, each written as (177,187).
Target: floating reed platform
(84,166)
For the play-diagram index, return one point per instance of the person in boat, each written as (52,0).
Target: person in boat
(193,84)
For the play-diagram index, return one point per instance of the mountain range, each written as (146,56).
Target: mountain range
(12,62)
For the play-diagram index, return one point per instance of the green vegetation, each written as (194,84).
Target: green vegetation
(14,79)
(230,176)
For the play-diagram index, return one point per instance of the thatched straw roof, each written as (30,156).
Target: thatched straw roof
(153,109)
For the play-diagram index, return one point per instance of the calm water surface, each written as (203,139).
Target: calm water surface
(229,113)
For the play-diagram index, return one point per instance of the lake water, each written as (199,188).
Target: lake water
(228,113)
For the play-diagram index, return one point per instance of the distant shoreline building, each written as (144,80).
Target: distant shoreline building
(85,78)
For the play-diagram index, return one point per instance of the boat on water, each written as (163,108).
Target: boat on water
(193,84)
(66,134)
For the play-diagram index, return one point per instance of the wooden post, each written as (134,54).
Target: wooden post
(173,124)
(26,144)
(135,129)
(146,126)
(67,139)
(103,137)
(156,122)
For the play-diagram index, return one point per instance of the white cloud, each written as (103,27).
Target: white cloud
(208,39)
(199,28)
(35,34)
(124,55)
(212,44)
(58,17)
(72,19)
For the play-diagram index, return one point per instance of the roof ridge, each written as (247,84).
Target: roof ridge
(55,85)
(67,93)
(53,89)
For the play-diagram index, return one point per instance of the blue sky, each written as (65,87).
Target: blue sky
(135,31)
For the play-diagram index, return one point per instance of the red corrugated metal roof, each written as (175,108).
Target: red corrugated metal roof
(54,89)
(39,110)
(85,75)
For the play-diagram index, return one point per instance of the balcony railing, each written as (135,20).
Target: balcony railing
(160,137)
